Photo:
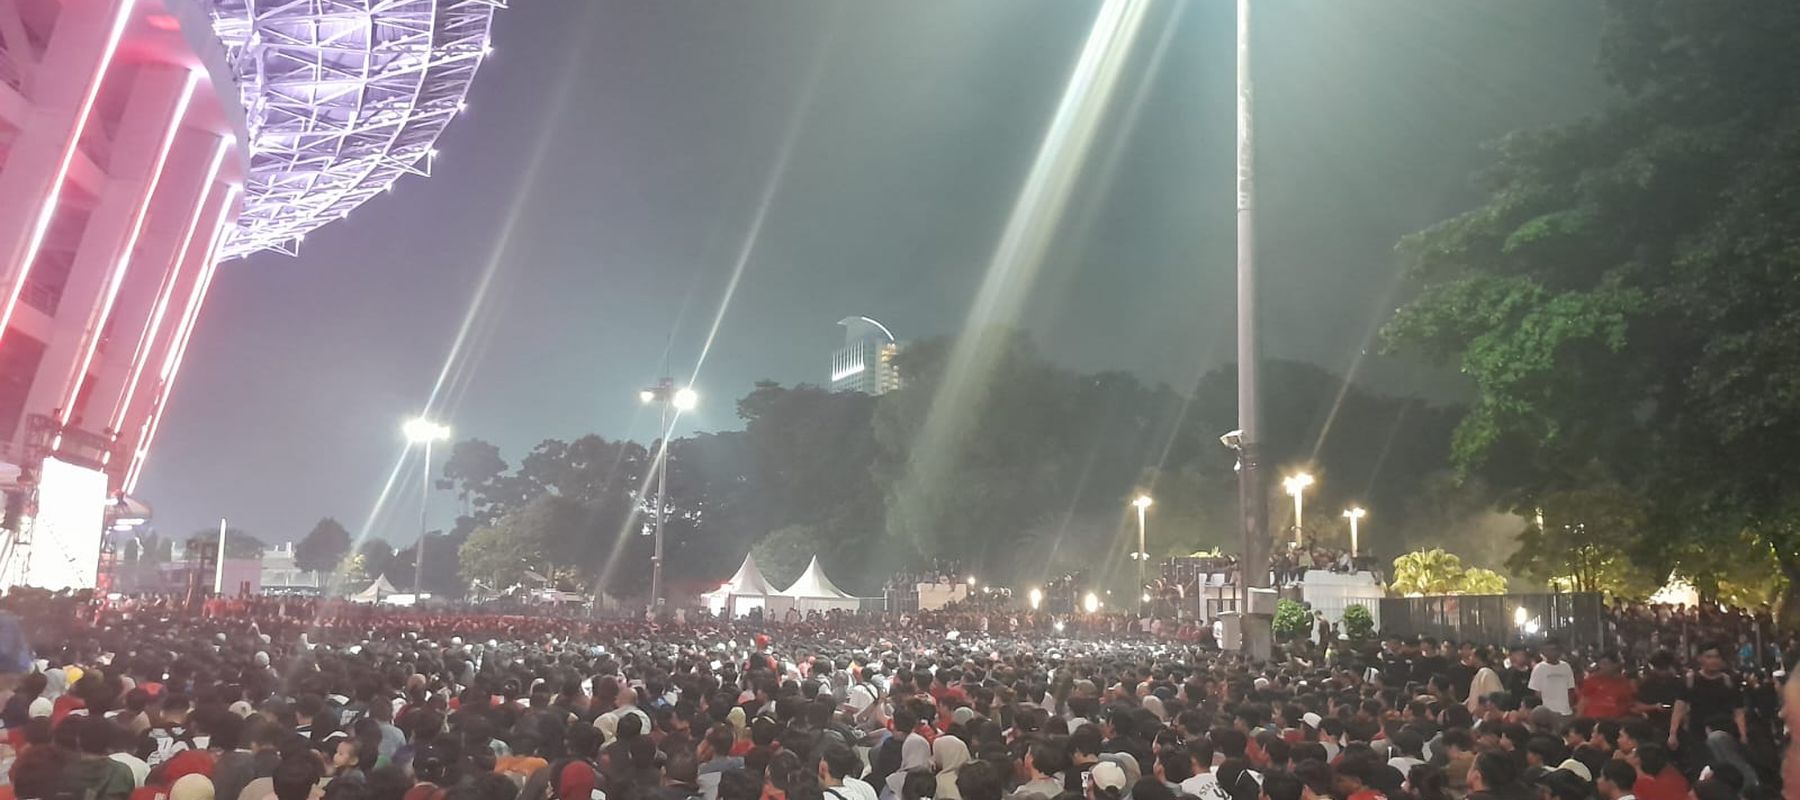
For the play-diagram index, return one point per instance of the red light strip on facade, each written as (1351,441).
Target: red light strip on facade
(48,211)
(148,337)
(117,278)
(172,364)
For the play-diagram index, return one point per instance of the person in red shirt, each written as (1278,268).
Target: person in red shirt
(1657,779)
(1606,693)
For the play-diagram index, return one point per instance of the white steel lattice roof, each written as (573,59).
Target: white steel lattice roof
(341,98)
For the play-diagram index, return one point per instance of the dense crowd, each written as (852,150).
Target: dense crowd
(276,701)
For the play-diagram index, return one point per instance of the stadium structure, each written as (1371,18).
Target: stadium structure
(143,143)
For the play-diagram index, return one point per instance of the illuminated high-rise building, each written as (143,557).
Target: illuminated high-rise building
(866,361)
(142,144)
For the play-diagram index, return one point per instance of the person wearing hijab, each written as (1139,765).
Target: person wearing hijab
(950,754)
(915,757)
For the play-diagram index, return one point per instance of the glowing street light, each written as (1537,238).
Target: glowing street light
(668,397)
(422,431)
(1296,486)
(1037,597)
(1090,602)
(1355,515)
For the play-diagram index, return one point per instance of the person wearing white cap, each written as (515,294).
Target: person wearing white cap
(1106,781)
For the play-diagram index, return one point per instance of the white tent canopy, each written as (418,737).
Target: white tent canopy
(814,584)
(814,591)
(376,592)
(745,591)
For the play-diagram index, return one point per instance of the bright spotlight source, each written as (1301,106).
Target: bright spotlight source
(971,580)
(1058,626)
(1355,512)
(1146,597)
(1295,484)
(647,396)
(1531,628)
(1037,597)
(1143,501)
(686,399)
(1090,602)
(1519,616)
(420,430)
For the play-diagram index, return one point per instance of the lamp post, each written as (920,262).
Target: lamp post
(668,397)
(1142,504)
(422,431)
(1296,486)
(1355,515)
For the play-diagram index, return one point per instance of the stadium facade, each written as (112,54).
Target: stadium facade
(143,143)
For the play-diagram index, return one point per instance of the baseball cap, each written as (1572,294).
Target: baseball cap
(1108,775)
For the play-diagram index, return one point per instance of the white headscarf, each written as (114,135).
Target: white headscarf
(951,754)
(915,756)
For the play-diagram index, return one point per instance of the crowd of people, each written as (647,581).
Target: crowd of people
(278,701)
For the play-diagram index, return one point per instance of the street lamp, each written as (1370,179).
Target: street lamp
(1296,486)
(1142,504)
(1090,602)
(1354,514)
(423,431)
(669,397)
(1037,597)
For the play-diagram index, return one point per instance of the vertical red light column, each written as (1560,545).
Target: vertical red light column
(64,87)
(147,130)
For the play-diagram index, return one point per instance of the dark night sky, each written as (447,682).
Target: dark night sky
(909,151)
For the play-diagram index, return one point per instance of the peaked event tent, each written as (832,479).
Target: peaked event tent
(745,591)
(814,591)
(377,591)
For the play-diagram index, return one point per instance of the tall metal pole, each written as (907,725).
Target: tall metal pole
(1299,514)
(1143,554)
(219,562)
(1354,518)
(424,516)
(1252,503)
(662,501)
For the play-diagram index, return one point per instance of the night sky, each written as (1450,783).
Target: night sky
(659,124)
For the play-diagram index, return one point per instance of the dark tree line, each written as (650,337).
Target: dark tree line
(1040,486)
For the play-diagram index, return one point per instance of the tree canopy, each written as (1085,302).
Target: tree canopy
(323,548)
(1624,301)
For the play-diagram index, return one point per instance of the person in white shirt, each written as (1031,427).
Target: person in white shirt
(1486,680)
(1204,784)
(1554,680)
(838,766)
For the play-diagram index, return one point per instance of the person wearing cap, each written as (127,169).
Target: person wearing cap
(1106,781)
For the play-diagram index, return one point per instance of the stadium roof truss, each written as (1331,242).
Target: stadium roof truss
(341,98)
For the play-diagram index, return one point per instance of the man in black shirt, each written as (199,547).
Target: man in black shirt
(1659,690)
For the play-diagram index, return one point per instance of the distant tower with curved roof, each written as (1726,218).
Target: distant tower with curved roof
(866,361)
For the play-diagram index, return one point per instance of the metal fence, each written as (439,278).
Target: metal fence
(1576,620)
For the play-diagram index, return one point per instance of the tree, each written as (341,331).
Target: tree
(1626,294)
(1359,623)
(1436,572)
(784,554)
(1291,620)
(495,558)
(1584,543)
(376,558)
(238,544)
(323,548)
(353,571)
